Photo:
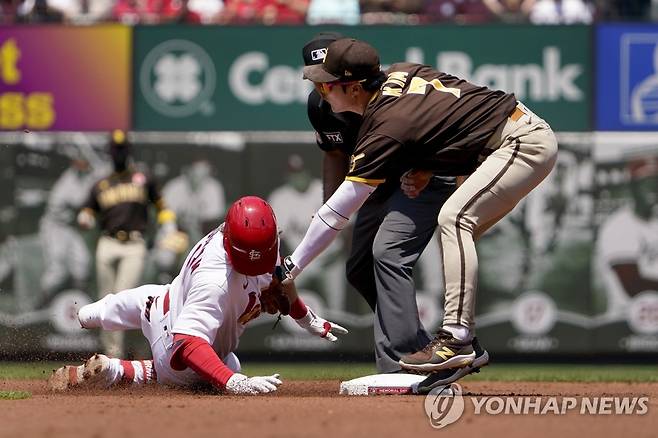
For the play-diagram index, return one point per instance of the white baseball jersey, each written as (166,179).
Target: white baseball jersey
(208,299)
(294,211)
(69,194)
(625,238)
(193,207)
(212,301)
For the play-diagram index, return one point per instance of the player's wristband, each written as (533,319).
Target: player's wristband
(298,309)
(291,270)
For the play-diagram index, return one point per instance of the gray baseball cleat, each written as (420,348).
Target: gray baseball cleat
(446,377)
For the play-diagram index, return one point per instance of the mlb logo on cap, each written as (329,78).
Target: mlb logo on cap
(315,50)
(319,54)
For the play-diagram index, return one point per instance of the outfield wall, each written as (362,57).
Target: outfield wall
(545,285)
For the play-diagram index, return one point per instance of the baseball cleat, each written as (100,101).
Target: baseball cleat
(92,374)
(446,377)
(443,352)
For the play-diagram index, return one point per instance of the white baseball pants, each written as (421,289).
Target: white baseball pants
(144,308)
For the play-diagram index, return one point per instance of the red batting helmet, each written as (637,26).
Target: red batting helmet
(251,239)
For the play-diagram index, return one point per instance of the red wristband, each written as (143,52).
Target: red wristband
(298,309)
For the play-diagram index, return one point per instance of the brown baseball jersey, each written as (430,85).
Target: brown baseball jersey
(422,118)
(122,200)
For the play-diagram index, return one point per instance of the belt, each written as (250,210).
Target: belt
(517,114)
(125,236)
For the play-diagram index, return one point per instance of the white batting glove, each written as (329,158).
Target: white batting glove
(241,384)
(317,326)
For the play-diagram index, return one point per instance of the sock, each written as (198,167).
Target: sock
(136,371)
(459,332)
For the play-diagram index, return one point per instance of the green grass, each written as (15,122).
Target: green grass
(27,370)
(14,395)
(345,371)
(566,373)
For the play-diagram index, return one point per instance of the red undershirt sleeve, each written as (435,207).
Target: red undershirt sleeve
(198,355)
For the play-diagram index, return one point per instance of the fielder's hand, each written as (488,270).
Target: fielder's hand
(241,384)
(317,326)
(414,182)
(86,219)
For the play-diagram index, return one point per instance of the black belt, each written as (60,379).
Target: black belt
(125,236)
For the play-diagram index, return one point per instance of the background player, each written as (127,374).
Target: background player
(391,230)
(121,200)
(424,119)
(194,324)
(627,245)
(66,256)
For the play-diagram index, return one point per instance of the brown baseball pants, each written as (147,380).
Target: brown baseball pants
(519,155)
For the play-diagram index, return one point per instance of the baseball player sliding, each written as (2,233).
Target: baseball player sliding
(193,324)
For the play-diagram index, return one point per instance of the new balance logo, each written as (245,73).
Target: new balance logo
(445,353)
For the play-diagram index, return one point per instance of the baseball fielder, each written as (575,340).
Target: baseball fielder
(121,201)
(390,233)
(193,325)
(65,251)
(422,121)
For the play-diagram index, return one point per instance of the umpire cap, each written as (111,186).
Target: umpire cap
(315,50)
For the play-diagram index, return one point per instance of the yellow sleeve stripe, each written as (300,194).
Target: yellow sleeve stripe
(372,182)
(165,216)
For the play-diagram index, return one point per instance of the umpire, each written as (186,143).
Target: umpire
(391,230)
(121,202)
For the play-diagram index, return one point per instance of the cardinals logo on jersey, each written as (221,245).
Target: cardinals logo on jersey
(252,310)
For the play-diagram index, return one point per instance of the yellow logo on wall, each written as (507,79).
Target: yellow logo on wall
(33,110)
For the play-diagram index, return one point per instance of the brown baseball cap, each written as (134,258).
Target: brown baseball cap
(347,59)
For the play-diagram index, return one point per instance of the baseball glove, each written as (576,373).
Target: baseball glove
(273,299)
(176,242)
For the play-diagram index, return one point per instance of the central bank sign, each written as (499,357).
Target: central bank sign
(221,79)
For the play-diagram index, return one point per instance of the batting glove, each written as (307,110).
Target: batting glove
(317,326)
(241,384)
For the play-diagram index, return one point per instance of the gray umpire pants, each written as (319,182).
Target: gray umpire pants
(390,233)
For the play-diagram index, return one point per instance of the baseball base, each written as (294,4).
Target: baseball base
(382,384)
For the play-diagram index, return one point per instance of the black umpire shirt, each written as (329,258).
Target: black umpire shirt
(335,131)
(339,131)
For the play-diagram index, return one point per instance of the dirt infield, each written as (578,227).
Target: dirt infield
(308,409)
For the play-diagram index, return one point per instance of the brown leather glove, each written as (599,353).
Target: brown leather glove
(273,299)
